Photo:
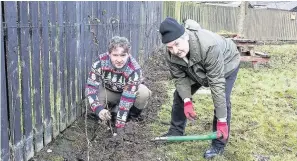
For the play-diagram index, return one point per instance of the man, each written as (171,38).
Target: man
(198,57)
(115,79)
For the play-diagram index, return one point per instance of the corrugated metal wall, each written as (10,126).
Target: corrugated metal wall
(259,24)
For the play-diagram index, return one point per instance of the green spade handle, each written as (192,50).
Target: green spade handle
(210,136)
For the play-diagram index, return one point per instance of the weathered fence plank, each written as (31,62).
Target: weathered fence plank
(4,145)
(73,62)
(13,72)
(79,55)
(46,83)
(83,48)
(103,26)
(93,30)
(61,70)
(88,35)
(68,54)
(25,53)
(36,81)
(134,27)
(53,66)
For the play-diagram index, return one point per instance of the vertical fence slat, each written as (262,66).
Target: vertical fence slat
(26,85)
(13,79)
(88,39)
(73,62)
(103,27)
(83,52)
(87,42)
(94,29)
(68,54)
(5,153)
(62,78)
(46,83)
(53,69)
(79,55)
(36,79)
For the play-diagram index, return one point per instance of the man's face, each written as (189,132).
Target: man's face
(178,47)
(118,57)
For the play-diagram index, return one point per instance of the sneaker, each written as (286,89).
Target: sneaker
(134,115)
(212,152)
(170,133)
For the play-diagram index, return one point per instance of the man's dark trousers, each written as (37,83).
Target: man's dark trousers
(178,118)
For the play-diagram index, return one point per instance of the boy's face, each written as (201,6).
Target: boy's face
(118,57)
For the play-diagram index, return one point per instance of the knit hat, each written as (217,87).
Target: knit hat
(170,30)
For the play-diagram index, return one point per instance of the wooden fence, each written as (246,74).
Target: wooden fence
(46,51)
(259,24)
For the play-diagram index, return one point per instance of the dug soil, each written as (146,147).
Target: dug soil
(72,144)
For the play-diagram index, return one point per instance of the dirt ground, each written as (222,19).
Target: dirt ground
(135,145)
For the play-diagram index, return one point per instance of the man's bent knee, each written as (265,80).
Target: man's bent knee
(142,96)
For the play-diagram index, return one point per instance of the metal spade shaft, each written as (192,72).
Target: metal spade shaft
(210,136)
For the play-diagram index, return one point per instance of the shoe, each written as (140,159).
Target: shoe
(134,115)
(212,152)
(170,133)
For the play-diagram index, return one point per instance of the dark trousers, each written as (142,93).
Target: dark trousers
(179,120)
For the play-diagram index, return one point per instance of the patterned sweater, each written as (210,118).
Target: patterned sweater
(124,80)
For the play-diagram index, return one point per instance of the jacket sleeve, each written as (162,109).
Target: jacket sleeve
(181,80)
(128,97)
(214,65)
(93,86)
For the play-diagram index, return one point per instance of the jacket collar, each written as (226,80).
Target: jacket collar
(195,51)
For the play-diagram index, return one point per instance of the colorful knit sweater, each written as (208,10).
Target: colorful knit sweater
(124,80)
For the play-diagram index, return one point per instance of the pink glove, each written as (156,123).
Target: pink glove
(222,130)
(189,110)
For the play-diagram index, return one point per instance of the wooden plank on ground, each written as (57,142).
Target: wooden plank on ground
(13,79)
(36,77)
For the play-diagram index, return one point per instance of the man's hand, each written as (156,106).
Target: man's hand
(222,130)
(104,115)
(189,110)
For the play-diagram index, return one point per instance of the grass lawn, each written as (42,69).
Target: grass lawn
(264,114)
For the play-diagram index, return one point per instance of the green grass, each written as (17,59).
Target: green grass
(264,114)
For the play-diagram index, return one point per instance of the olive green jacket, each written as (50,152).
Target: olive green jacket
(212,59)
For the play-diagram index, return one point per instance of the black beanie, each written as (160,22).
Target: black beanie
(170,30)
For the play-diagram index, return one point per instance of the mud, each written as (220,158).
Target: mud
(134,145)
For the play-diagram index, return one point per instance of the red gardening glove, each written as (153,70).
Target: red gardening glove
(222,130)
(189,110)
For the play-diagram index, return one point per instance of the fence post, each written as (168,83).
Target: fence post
(4,144)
